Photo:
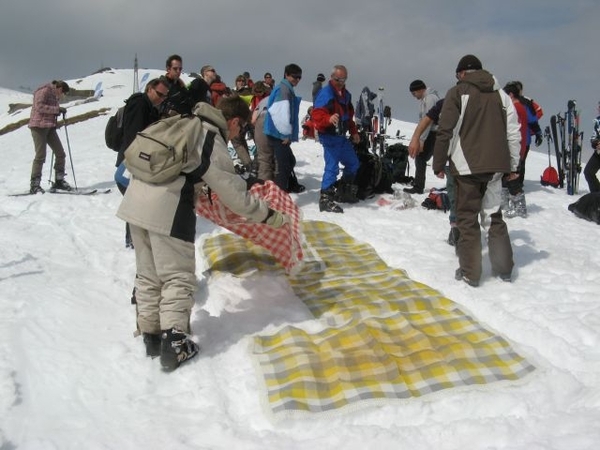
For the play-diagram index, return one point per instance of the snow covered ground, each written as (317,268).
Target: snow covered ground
(72,376)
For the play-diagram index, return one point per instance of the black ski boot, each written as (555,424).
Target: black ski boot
(60,185)
(35,187)
(326,202)
(176,347)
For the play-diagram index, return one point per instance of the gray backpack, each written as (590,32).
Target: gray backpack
(161,152)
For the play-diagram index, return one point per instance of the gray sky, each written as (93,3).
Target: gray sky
(547,44)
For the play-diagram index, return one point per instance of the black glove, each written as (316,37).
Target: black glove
(539,139)
(514,186)
(251,181)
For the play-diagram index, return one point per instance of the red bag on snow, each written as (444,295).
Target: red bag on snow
(550,177)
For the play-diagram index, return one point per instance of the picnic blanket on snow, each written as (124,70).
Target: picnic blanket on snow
(284,243)
(384,335)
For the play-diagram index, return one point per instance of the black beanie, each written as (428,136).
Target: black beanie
(468,62)
(417,85)
(320,77)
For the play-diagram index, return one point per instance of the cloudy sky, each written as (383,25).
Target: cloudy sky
(550,45)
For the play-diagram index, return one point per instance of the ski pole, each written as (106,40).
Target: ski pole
(69,148)
(51,169)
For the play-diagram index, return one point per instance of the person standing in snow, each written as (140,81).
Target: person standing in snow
(317,86)
(43,125)
(479,133)
(427,99)
(333,115)
(162,218)
(199,88)
(282,127)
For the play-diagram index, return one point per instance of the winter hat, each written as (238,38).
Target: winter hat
(417,85)
(468,62)
(320,77)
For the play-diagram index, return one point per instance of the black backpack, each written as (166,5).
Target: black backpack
(113,133)
(374,175)
(396,157)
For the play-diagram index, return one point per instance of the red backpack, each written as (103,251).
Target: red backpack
(550,177)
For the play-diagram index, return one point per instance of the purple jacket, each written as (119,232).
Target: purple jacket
(45,107)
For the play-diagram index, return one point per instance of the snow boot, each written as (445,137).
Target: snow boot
(152,342)
(326,202)
(176,347)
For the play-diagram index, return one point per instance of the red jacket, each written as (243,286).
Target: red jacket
(45,107)
(522,114)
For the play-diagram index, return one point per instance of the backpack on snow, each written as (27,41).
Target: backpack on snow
(396,156)
(437,199)
(113,133)
(159,153)
(374,175)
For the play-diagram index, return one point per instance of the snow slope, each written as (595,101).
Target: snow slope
(72,376)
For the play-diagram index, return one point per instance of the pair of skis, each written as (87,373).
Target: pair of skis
(73,192)
(567,146)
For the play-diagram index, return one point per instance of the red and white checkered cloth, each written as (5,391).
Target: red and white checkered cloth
(285,243)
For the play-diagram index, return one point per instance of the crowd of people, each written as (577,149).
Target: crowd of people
(478,136)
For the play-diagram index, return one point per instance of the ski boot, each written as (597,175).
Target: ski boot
(327,203)
(176,347)
(35,187)
(60,185)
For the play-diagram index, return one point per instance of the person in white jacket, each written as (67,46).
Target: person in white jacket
(163,226)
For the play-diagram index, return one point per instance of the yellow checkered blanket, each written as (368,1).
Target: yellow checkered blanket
(384,336)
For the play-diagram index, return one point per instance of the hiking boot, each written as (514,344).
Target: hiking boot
(326,203)
(413,190)
(176,347)
(61,185)
(453,236)
(152,342)
(460,275)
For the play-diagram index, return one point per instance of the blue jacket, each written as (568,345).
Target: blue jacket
(283,109)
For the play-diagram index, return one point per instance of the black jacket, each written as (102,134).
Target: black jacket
(138,114)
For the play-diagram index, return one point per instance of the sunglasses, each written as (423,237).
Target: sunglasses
(161,94)
(339,79)
(296,76)
(177,69)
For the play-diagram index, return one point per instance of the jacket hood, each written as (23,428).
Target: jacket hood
(481,79)
(214,115)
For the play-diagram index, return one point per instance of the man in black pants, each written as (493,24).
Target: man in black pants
(427,100)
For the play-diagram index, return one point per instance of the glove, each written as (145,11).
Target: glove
(539,139)
(62,110)
(275,219)
(251,181)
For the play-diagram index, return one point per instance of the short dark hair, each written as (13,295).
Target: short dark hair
(512,88)
(234,106)
(155,82)
(62,84)
(172,58)
(292,69)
